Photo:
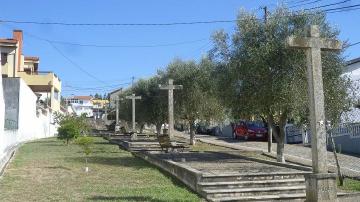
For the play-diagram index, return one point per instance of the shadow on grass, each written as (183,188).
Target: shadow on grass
(57,167)
(112,161)
(129,198)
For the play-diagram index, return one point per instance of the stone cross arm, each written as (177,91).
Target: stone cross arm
(167,87)
(314,41)
(170,86)
(133,97)
(311,42)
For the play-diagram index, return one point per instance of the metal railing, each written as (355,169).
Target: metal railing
(41,73)
(352,130)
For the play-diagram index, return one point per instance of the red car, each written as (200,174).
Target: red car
(250,130)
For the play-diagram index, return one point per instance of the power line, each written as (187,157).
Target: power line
(296,1)
(96,87)
(75,64)
(128,46)
(117,24)
(64,56)
(117,46)
(327,5)
(353,44)
(341,8)
(138,24)
(346,10)
(305,3)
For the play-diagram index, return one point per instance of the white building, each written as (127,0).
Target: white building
(353,72)
(81,105)
(113,96)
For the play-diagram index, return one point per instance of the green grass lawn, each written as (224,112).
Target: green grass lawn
(48,170)
(350,185)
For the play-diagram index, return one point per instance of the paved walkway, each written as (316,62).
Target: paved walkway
(293,153)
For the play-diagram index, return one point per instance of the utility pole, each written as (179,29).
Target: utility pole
(265,14)
(132,81)
(170,87)
(133,98)
(270,128)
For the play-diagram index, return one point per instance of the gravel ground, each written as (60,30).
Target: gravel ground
(222,162)
(349,164)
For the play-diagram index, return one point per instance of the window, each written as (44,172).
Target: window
(4,58)
(56,95)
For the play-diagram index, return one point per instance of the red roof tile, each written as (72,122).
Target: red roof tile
(31,58)
(83,97)
(13,41)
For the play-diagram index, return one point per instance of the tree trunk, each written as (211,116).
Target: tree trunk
(340,176)
(281,140)
(270,133)
(192,133)
(158,129)
(280,148)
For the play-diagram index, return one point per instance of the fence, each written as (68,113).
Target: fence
(347,138)
(351,130)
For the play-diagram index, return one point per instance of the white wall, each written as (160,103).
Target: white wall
(2,111)
(353,72)
(31,125)
(80,109)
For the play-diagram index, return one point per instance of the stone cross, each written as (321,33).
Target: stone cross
(313,46)
(170,87)
(133,98)
(117,100)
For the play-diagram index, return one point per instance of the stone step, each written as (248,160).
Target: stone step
(251,184)
(279,197)
(220,193)
(145,149)
(145,146)
(251,176)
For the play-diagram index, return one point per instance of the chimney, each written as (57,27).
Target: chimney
(18,35)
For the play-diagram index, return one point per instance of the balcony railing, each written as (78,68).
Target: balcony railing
(44,73)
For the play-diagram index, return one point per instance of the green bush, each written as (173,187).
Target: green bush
(68,131)
(71,127)
(85,143)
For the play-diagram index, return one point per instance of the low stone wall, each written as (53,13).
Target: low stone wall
(187,175)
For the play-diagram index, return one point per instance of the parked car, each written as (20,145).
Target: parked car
(203,129)
(250,130)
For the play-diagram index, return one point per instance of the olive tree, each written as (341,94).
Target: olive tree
(260,76)
(196,101)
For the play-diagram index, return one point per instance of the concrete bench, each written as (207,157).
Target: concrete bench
(166,144)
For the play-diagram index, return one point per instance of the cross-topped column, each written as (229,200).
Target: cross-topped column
(117,101)
(133,98)
(313,46)
(170,87)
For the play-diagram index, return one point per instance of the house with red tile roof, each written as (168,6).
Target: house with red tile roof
(15,64)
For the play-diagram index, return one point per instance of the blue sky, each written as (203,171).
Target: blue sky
(115,66)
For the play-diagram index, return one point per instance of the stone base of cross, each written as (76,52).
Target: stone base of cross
(320,185)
